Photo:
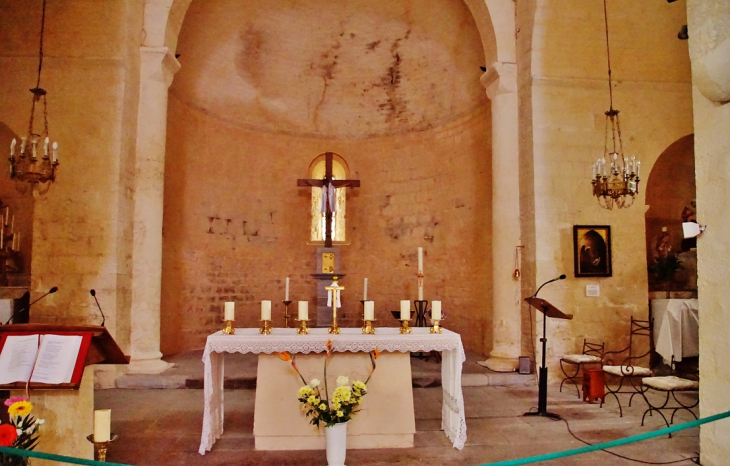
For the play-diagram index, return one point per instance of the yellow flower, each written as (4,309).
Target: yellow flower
(312,399)
(322,406)
(20,408)
(359,385)
(340,414)
(305,391)
(337,405)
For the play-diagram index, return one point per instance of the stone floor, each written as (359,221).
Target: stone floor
(163,426)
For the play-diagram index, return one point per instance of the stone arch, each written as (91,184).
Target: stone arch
(162,23)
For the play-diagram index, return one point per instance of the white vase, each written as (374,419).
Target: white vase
(336,444)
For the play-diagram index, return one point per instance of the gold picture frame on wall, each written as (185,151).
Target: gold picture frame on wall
(592,250)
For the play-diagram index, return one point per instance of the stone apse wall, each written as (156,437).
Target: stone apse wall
(259,96)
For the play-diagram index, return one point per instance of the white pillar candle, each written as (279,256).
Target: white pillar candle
(303,310)
(265,310)
(436,310)
(369,310)
(102,425)
(365,290)
(229,311)
(286,293)
(405,310)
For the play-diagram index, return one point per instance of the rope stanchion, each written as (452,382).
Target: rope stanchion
(612,443)
(52,457)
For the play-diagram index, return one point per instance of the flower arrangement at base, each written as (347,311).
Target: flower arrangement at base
(21,432)
(346,397)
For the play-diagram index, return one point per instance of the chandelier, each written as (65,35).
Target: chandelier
(615,177)
(30,167)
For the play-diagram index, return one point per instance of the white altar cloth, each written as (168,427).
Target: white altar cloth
(249,340)
(676,328)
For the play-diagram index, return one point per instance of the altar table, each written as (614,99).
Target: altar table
(676,328)
(386,339)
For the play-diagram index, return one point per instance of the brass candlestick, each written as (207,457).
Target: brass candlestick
(436,327)
(100,448)
(334,329)
(404,328)
(228,329)
(368,328)
(265,327)
(303,329)
(286,313)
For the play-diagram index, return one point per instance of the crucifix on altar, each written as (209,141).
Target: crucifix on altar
(329,200)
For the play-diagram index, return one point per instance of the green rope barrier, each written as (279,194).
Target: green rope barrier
(52,457)
(612,443)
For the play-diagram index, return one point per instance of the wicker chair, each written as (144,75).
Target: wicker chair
(571,364)
(631,365)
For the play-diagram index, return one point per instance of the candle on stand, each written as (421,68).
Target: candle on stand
(286,294)
(436,310)
(55,151)
(229,311)
(405,310)
(102,425)
(265,310)
(303,310)
(369,310)
(365,290)
(420,274)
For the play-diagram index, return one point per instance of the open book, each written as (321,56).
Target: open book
(44,358)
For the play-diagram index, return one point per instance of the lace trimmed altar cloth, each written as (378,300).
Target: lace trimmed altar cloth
(248,340)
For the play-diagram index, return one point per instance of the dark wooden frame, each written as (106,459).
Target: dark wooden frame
(605,232)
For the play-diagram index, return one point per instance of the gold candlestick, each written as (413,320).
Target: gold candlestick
(303,329)
(404,328)
(265,327)
(436,328)
(368,328)
(100,448)
(228,329)
(286,313)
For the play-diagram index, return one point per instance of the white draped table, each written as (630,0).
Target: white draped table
(386,339)
(676,328)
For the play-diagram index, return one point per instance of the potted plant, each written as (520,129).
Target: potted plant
(665,269)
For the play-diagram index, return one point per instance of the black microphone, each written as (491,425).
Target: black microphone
(103,318)
(562,277)
(25,309)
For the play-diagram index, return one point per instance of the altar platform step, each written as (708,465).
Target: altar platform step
(240,370)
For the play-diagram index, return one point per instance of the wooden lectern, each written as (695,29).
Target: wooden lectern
(97,347)
(549,311)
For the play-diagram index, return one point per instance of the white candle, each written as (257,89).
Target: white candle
(102,425)
(420,273)
(45,147)
(369,310)
(265,310)
(55,150)
(303,310)
(365,291)
(436,310)
(229,311)
(7,214)
(286,293)
(405,310)
(420,260)
(12,147)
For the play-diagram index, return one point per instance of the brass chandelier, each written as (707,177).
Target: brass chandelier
(615,177)
(29,167)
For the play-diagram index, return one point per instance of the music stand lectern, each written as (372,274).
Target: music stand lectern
(553,312)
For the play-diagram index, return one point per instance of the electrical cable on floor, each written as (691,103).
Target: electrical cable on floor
(694,459)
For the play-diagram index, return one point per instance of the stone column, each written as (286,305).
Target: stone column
(500,81)
(157,68)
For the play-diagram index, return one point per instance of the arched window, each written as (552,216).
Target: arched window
(317,171)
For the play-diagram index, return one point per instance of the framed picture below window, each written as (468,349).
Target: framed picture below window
(592,250)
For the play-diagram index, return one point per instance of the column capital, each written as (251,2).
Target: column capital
(500,78)
(159,64)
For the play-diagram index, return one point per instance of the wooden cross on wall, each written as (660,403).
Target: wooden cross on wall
(325,183)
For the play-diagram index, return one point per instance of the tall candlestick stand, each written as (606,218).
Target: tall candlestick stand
(303,329)
(334,329)
(100,448)
(420,306)
(404,328)
(265,327)
(228,329)
(286,312)
(368,328)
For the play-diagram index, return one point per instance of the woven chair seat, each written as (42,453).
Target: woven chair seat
(581,358)
(625,371)
(670,383)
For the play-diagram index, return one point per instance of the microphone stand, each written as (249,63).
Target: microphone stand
(27,308)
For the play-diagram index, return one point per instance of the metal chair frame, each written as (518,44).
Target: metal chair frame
(590,349)
(638,328)
(671,397)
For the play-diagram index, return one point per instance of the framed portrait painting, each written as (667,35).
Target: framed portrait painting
(592,250)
